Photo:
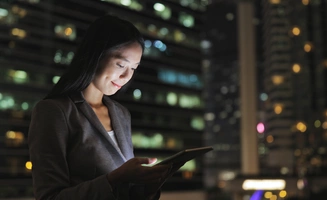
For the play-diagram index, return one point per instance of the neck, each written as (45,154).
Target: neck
(93,96)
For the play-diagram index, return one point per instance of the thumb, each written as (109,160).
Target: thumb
(147,160)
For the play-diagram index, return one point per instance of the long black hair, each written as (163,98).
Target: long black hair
(104,35)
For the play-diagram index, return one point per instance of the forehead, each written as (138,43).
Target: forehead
(131,51)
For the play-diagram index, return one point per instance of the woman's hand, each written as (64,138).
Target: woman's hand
(133,171)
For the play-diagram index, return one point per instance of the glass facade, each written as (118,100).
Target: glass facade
(37,43)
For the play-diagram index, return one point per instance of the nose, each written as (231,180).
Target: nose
(127,73)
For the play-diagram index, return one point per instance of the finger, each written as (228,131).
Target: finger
(146,160)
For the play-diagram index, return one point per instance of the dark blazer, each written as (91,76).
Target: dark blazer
(71,152)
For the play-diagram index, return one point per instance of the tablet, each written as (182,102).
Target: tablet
(185,155)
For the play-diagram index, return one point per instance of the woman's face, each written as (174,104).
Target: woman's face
(117,69)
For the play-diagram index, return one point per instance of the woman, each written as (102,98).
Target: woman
(79,139)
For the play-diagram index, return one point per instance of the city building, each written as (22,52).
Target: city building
(291,98)
(38,40)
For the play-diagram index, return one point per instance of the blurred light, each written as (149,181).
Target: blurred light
(263,97)
(147,43)
(260,127)
(270,138)
(25,106)
(172,98)
(20,33)
(229,16)
(324,125)
(296,31)
(158,44)
(3,12)
(307,47)
(268,195)
(187,174)
(301,184)
(137,94)
(1,95)
(209,116)
(11,134)
(205,44)
(284,170)
(197,123)
(297,152)
(301,127)
(264,184)
(317,123)
(296,68)
(278,108)
(55,79)
(28,165)
(273,197)
(227,175)
(277,79)
(159,7)
(305,2)
(126,2)
(221,184)
(274,1)
(324,63)
(68,31)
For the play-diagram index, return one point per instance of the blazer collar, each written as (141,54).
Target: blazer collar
(122,139)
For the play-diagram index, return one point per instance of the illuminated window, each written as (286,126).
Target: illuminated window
(305,2)
(172,98)
(14,138)
(137,94)
(28,165)
(20,33)
(270,138)
(55,79)
(274,1)
(296,68)
(162,11)
(18,76)
(308,47)
(186,19)
(277,79)
(131,4)
(229,16)
(179,36)
(3,13)
(25,106)
(21,12)
(197,123)
(296,31)
(300,126)
(179,78)
(63,58)
(67,31)
(278,108)
(263,97)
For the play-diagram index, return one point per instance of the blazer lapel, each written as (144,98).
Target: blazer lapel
(86,109)
(117,118)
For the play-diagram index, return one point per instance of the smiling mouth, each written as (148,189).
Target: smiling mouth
(118,86)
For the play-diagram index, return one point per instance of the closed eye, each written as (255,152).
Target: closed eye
(119,65)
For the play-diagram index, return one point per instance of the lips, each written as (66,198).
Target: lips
(116,85)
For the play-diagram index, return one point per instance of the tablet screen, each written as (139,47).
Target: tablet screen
(185,155)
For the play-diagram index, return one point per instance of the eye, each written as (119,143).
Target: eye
(119,65)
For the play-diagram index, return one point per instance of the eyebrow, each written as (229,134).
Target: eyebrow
(119,56)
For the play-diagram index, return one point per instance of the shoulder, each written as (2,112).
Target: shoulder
(56,102)
(50,105)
